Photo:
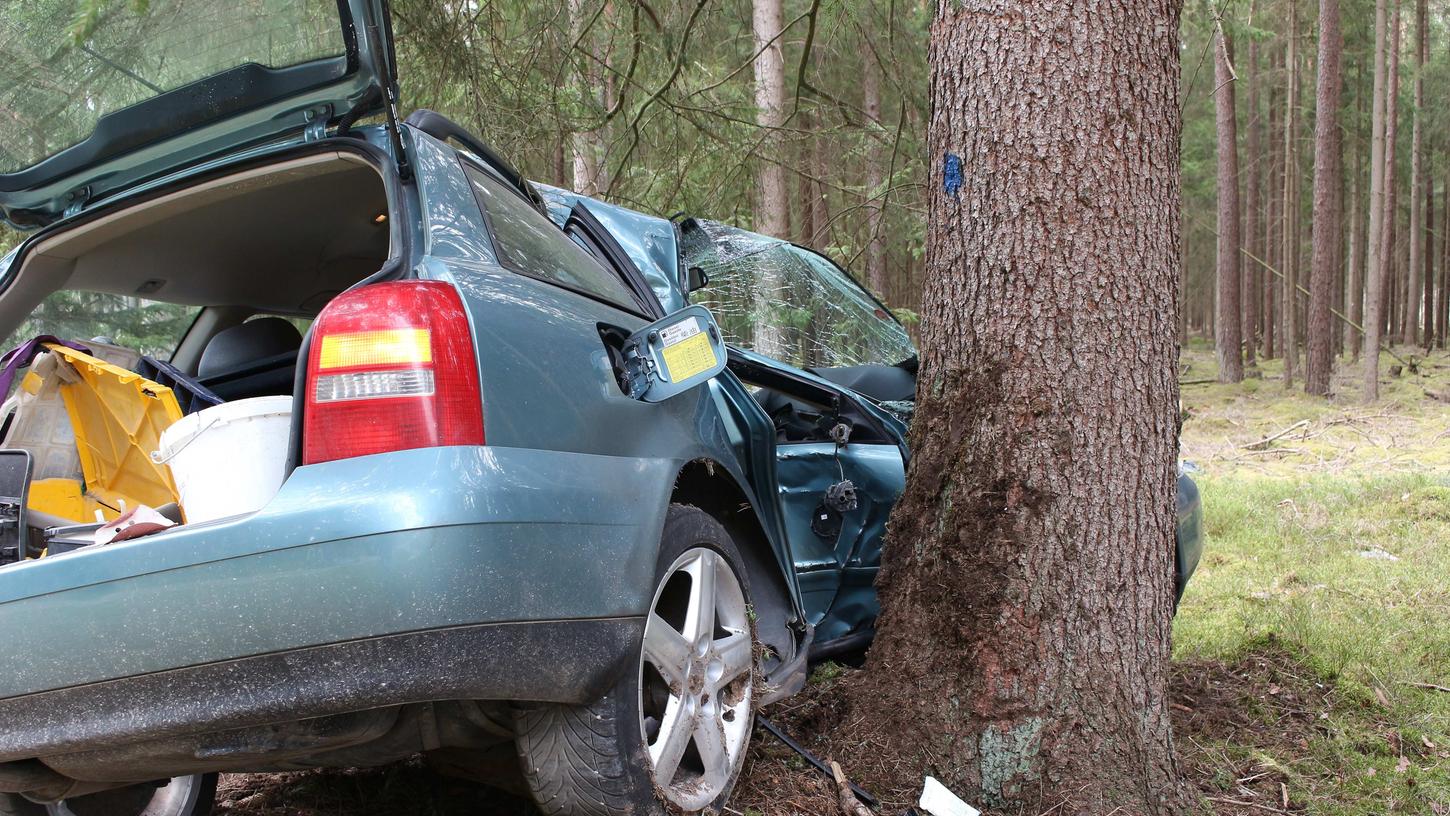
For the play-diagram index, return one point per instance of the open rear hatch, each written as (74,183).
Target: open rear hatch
(137,91)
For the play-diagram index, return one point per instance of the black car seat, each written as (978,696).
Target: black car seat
(255,359)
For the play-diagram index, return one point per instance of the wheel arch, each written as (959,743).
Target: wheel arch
(709,485)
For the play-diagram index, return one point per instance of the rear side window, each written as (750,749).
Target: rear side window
(528,242)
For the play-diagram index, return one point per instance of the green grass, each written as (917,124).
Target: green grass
(1340,550)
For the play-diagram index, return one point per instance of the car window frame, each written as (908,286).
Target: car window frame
(634,307)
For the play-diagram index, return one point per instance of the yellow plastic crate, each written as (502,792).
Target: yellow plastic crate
(118,417)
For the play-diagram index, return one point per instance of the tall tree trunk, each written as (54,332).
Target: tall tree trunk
(805,180)
(587,146)
(1327,229)
(1427,237)
(771,206)
(1389,225)
(1252,206)
(1290,329)
(1273,226)
(1025,621)
(1374,266)
(1444,296)
(875,176)
(1228,338)
(1414,297)
(1355,295)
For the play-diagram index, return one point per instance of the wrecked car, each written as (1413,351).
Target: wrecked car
(416,459)
(817,350)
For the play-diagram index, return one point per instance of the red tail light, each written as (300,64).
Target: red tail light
(391,367)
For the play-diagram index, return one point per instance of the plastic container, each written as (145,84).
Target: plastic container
(229,459)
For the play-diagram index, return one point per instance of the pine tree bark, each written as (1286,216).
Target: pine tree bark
(1289,331)
(1354,296)
(587,146)
(771,204)
(1443,331)
(1227,333)
(1252,206)
(1374,265)
(1414,296)
(1427,237)
(1389,226)
(1327,229)
(875,177)
(1024,637)
(1273,226)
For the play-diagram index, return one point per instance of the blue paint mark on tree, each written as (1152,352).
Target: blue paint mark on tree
(952,174)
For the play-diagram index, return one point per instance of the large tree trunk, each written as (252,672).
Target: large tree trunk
(1026,592)
(1289,312)
(1326,234)
(1414,296)
(1227,336)
(1252,206)
(1374,267)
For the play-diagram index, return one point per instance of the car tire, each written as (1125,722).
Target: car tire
(182,796)
(682,710)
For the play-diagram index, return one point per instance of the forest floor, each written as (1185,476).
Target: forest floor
(1312,649)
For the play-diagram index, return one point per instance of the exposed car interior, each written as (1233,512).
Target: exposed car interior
(282,240)
(257,253)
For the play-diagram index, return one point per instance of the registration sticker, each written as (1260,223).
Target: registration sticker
(686,350)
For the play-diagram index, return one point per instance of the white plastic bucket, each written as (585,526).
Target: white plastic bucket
(228,459)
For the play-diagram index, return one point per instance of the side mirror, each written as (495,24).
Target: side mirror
(15,468)
(696,278)
(673,355)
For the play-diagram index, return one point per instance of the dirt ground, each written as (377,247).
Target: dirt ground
(1267,704)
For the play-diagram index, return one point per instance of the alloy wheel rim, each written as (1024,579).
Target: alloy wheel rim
(696,679)
(178,797)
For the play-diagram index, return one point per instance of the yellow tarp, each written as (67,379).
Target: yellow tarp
(118,417)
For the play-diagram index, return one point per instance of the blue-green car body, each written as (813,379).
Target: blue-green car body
(518,570)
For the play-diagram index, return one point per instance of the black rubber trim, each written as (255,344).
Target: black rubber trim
(571,661)
(444,129)
(852,644)
(582,219)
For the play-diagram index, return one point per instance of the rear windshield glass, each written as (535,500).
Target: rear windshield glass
(146,326)
(62,67)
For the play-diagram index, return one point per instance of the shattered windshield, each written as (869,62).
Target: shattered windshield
(64,65)
(789,303)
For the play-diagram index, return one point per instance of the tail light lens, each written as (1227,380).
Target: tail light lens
(391,367)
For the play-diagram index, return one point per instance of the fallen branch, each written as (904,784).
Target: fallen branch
(1430,686)
(850,805)
(1271,452)
(1266,441)
(1197,382)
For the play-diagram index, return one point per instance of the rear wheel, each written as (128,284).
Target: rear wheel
(182,796)
(671,736)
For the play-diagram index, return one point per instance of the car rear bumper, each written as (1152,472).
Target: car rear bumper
(557,661)
(472,560)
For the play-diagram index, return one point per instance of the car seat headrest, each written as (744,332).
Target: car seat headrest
(250,342)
